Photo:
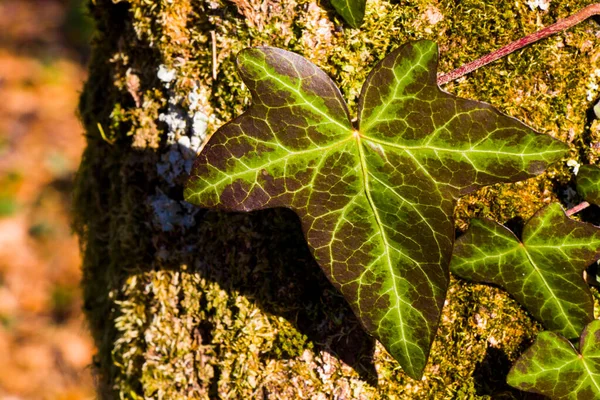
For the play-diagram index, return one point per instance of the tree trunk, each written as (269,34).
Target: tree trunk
(190,303)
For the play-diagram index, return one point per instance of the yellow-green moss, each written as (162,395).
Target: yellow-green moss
(235,307)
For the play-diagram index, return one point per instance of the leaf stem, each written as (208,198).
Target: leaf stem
(559,26)
(577,208)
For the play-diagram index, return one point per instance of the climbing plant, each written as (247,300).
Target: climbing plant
(375,198)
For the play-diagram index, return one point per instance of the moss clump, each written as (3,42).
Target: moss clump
(233,306)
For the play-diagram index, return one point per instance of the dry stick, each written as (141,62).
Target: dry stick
(561,25)
(214,54)
(577,208)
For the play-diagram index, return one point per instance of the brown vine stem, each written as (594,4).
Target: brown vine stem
(577,208)
(559,26)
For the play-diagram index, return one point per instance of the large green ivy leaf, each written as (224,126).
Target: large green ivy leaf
(375,202)
(554,368)
(588,183)
(544,272)
(353,11)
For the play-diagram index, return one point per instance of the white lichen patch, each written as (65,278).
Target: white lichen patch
(166,75)
(186,132)
(195,99)
(574,165)
(169,213)
(493,341)
(175,120)
(198,104)
(182,151)
(480,321)
(433,15)
(541,4)
(428,18)
(199,127)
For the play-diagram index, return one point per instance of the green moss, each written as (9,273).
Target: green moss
(235,307)
(288,342)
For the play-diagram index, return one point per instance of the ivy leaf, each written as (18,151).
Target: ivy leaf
(554,368)
(588,183)
(375,202)
(353,11)
(544,272)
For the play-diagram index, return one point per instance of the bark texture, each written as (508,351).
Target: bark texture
(188,303)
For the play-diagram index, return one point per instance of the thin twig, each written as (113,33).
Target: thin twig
(577,208)
(559,26)
(213,38)
(106,139)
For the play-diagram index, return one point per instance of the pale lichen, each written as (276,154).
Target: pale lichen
(169,213)
(165,74)
(541,4)
(574,164)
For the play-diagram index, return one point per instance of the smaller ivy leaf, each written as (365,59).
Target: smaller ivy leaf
(588,183)
(353,11)
(553,367)
(544,272)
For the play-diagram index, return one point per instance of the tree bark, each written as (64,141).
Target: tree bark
(189,303)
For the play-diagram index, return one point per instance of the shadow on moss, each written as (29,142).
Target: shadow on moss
(264,256)
(490,377)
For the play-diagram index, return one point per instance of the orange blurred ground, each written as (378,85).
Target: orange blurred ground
(45,349)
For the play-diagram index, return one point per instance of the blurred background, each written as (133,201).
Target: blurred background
(45,349)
